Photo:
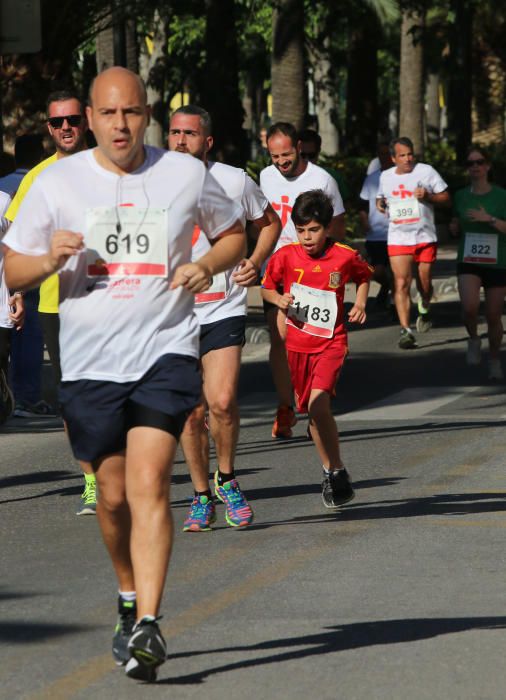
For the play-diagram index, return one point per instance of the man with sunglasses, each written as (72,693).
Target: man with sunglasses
(67,127)
(408,193)
(282,182)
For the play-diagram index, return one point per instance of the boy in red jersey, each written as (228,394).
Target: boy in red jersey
(307,281)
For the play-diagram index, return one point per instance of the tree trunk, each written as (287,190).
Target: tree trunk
(461,68)
(152,71)
(325,103)
(411,79)
(105,46)
(362,114)
(219,90)
(489,103)
(287,71)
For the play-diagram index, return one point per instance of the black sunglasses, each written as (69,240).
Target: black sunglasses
(477,161)
(72,120)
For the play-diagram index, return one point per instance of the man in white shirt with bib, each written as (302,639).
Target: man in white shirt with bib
(116,222)
(408,193)
(221,311)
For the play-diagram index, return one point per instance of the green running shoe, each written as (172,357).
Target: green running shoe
(88,502)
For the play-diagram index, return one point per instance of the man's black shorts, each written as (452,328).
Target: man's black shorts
(489,276)
(222,334)
(99,414)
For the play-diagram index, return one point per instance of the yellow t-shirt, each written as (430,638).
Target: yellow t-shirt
(49,290)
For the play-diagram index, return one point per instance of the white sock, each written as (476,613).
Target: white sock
(128,596)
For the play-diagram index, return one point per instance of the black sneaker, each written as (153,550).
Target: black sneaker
(127,615)
(336,488)
(406,339)
(147,649)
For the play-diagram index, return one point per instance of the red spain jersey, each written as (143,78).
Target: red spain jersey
(316,318)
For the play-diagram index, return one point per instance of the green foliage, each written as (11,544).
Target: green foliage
(253,167)
(186,54)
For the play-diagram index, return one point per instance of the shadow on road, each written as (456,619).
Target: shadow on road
(21,632)
(335,639)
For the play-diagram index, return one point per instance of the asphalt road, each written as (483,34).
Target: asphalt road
(401,595)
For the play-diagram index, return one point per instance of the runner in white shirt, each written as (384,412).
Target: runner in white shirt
(282,182)
(12,314)
(408,192)
(221,311)
(117,222)
(375,226)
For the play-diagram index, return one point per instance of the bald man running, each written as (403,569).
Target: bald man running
(116,222)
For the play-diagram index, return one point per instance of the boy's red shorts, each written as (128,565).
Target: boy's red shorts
(315,371)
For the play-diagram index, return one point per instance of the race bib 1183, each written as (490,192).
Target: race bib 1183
(313,311)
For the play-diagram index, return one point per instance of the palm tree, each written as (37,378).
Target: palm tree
(287,68)
(411,85)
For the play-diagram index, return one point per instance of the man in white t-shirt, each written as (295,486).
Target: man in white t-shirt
(221,311)
(408,193)
(282,182)
(117,223)
(375,226)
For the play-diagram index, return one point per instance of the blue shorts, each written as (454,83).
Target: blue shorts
(99,414)
(222,334)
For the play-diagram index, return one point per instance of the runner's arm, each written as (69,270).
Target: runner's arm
(26,271)
(282,301)
(227,250)
(270,229)
(357,312)
(484,217)
(441,199)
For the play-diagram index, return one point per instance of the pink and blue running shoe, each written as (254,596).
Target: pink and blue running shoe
(238,512)
(201,516)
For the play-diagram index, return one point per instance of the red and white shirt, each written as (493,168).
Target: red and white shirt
(411,221)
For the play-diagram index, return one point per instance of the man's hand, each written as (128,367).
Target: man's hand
(64,244)
(381,204)
(247,275)
(17,315)
(421,193)
(194,277)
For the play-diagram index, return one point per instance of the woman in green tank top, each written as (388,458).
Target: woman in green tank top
(480,219)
